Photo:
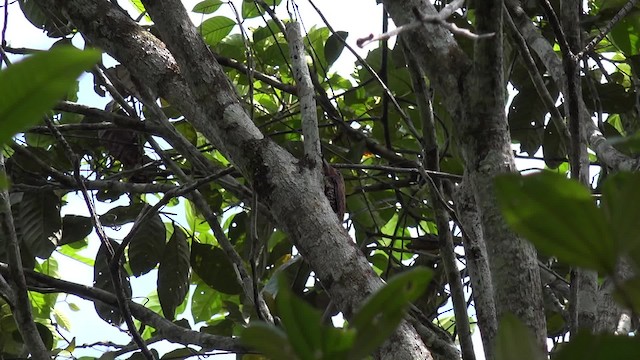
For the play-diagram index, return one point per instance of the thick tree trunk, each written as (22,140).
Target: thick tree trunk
(474,95)
(195,83)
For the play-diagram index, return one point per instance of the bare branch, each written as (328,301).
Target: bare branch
(422,19)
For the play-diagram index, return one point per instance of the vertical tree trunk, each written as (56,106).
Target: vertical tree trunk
(474,93)
(486,145)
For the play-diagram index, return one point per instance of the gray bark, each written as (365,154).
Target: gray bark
(475,251)
(583,282)
(474,95)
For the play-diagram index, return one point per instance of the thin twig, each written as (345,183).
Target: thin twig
(391,169)
(422,19)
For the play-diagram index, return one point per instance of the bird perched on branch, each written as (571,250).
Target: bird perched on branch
(334,189)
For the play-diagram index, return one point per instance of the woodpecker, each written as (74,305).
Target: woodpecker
(334,189)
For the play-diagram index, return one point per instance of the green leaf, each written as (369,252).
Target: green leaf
(515,341)
(73,253)
(559,217)
(62,320)
(75,228)
(621,206)
(183,353)
(383,311)
(196,222)
(625,34)
(137,4)
(207,6)
(364,212)
(222,327)
(215,29)
(121,215)
(39,222)
(31,87)
(627,294)
(302,323)
(102,280)
(187,130)
(45,335)
(205,303)
(526,119)
(213,267)
(334,46)
(4,182)
(147,245)
(139,356)
(599,347)
(268,31)
(173,273)
(314,44)
(269,340)
(250,9)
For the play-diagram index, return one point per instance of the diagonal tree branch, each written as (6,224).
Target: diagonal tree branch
(43,283)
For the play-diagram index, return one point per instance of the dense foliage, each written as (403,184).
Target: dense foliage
(189,216)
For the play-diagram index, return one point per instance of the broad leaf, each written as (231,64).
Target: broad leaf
(251,9)
(213,267)
(624,34)
(75,228)
(102,280)
(31,87)
(207,6)
(599,347)
(147,245)
(269,340)
(121,215)
(621,205)
(515,341)
(334,46)
(215,29)
(39,222)
(627,293)
(559,217)
(173,273)
(302,323)
(383,311)
(205,303)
